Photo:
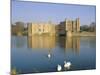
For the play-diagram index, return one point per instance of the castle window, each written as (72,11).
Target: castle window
(40,30)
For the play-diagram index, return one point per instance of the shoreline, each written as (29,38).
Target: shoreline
(84,34)
(72,34)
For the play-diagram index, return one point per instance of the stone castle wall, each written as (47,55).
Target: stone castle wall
(65,27)
(41,28)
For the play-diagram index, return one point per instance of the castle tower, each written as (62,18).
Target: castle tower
(78,24)
(74,28)
(29,29)
(68,25)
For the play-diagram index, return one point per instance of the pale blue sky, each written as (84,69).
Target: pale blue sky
(44,12)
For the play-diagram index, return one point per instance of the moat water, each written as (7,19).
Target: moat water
(30,54)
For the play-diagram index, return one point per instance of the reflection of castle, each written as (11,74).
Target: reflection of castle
(70,43)
(19,42)
(41,42)
(73,42)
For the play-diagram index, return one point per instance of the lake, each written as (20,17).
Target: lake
(30,54)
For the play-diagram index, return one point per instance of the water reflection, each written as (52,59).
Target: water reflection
(19,42)
(41,42)
(49,53)
(52,51)
(49,42)
(70,43)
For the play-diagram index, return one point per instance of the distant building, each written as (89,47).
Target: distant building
(41,28)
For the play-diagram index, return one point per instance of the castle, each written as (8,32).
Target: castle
(63,28)
(68,26)
(41,28)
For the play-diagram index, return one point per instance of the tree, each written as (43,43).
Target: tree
(92,27)
(19,27)
(84,28)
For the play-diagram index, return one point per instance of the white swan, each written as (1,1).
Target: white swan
(59,68)
(67,64)
(49,55)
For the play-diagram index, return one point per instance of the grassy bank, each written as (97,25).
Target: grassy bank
(84,34)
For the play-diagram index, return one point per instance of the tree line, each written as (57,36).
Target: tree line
(89,28)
